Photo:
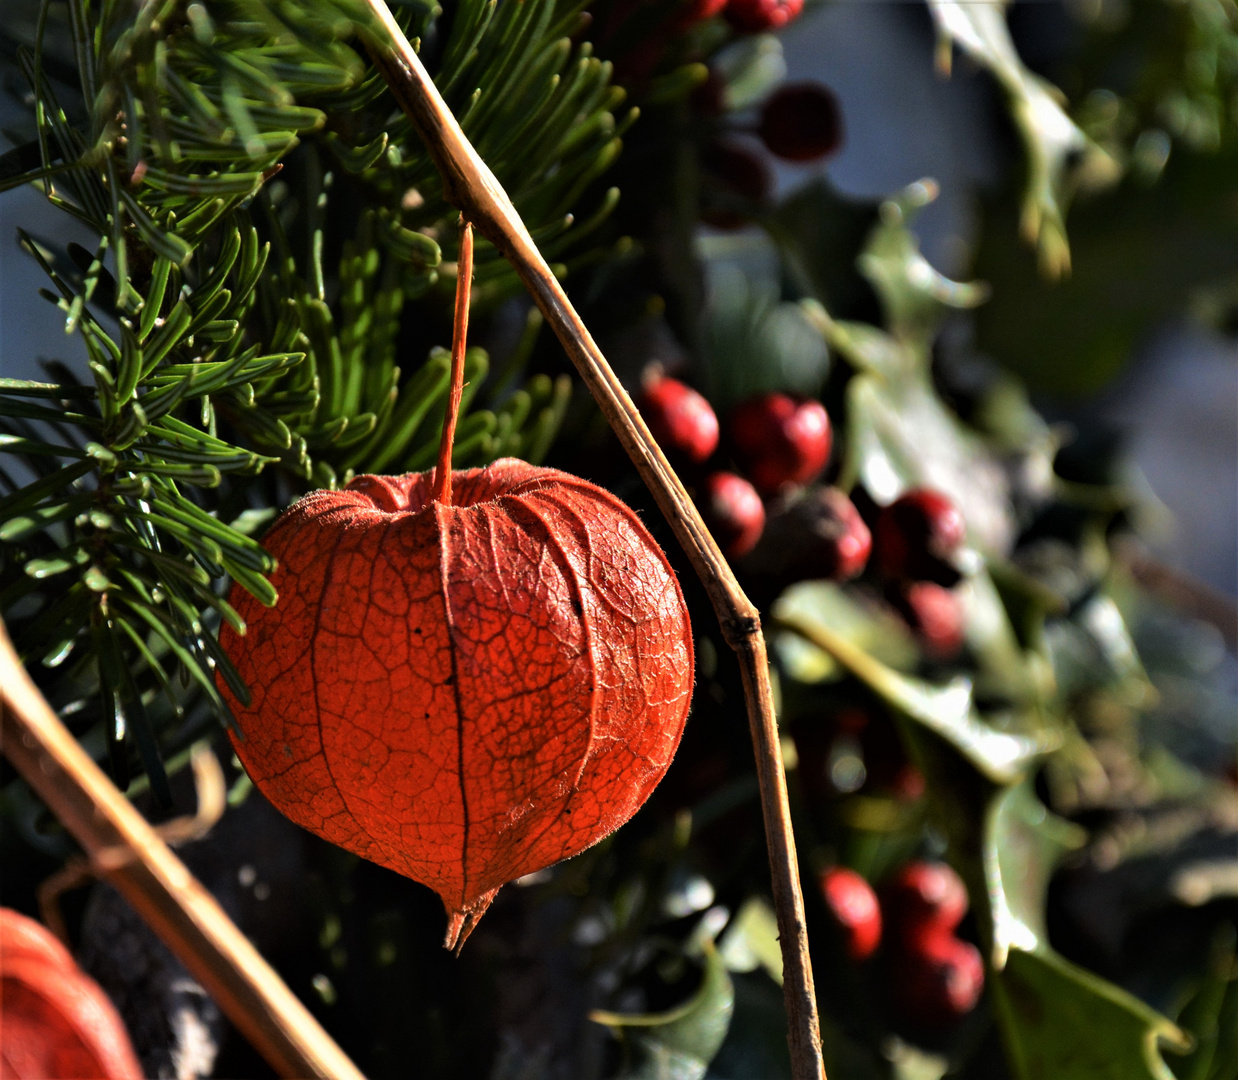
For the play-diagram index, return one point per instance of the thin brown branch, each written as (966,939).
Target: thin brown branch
(212,795)
(125,850)
(1180,590)
(469,185)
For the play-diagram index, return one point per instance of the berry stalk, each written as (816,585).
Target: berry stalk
(459,340)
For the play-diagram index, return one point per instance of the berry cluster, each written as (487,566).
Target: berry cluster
(936,977)
(778,445)
(917,540)
(759,16)
(799,122)
(766,503)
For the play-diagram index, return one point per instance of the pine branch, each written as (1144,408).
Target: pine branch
(223,336)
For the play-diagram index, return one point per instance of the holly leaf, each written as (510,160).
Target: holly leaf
(751,940)
(900,434)
(1060,1021)
(756,1043)
(1064,1023)
(1093,649)
(947,710)
(749,69)
(914,294)
(1211,1016)
(1024,843)
(1003,668)
(754,343)
(680,1043)
(1060,157)
(820,234)
(1070,338)
(874,630)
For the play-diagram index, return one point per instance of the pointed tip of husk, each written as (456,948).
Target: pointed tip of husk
(461,921)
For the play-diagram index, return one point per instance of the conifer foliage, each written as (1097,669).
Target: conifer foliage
(263,217)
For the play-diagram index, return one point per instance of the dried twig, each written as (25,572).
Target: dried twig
(212,795)
(1180,590)
(469,185)
(125,850)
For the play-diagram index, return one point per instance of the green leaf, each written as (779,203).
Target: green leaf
(24,524)
(946,710)
(913,293)
(899,432)
(1211,1016)
(751,940)
(1060,1022)
(754,343)
(138,721)
(169,334)
(232,545)
(820,234)
(1070,338)
(876,631)
(198,475)
(153,304)
(749,69)
(534,441)
(422,396)
(680,1043)
(169,636)
(45,568)
(1024,843)
(1060,158)
(1064,1023)
(255,584)
(17,444)
(31,388)
(356,159)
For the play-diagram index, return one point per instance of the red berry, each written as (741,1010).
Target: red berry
(740,169)
(916,536)
(924,899)
(756,16)
(801,122)
(813,533)
(696,11)
(780,440)
(734,512)
(853,904)
(847,539)
(939,980)
(936,616)
(741,181)
(681,420)
(908,783)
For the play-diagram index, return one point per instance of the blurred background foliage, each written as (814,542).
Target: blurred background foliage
(257,293)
